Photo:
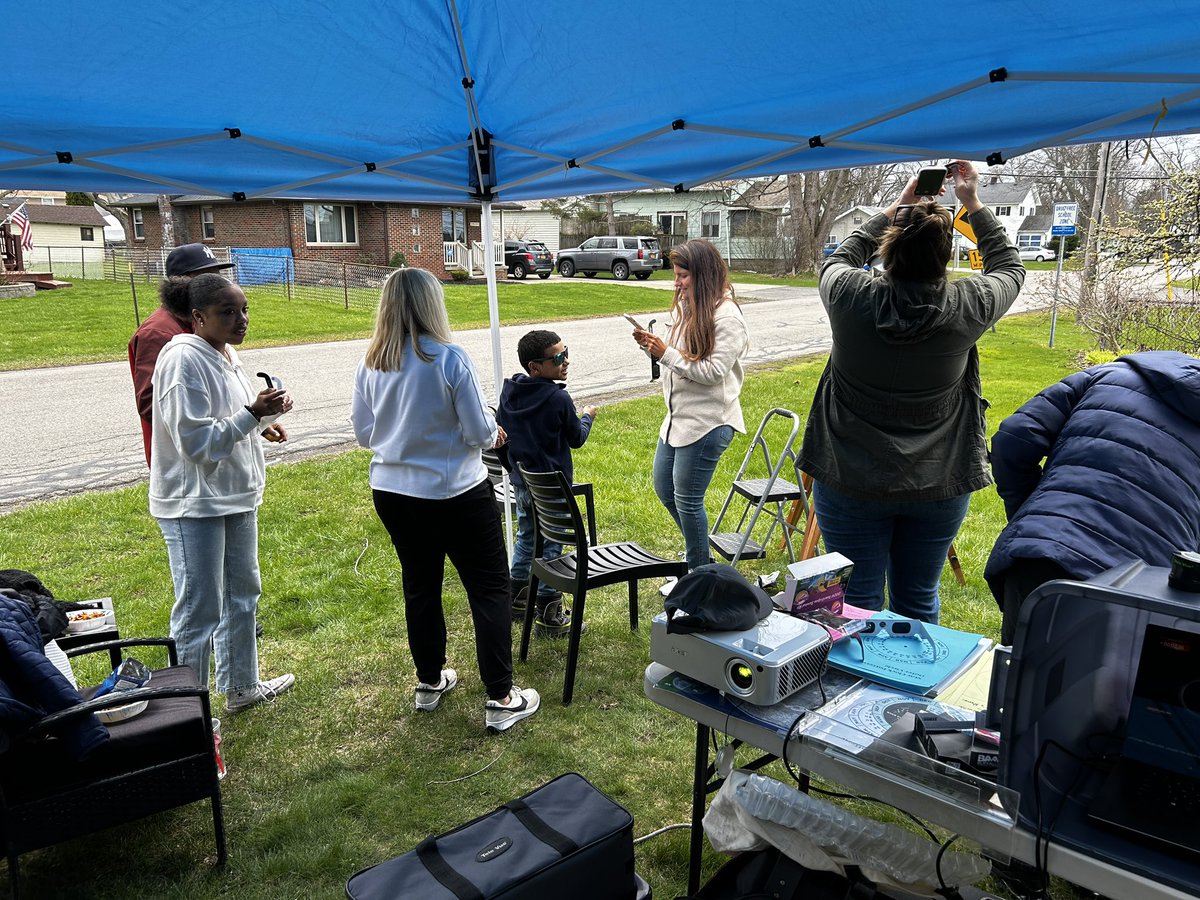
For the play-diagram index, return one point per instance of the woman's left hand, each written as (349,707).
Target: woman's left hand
(275,433)
(501,438)
(651,343)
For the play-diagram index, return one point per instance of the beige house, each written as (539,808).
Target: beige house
(60,232)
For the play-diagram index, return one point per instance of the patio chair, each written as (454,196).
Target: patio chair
(556,513)
(496,470)
(155,761)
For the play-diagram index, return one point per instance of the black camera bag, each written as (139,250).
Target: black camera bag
(564,839)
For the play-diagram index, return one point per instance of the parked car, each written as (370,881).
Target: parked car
(621,255)
(828,249)
(523,257)
(1037,254)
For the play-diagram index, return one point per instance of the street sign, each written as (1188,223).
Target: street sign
(1065,214)
(976,259)
(963,227)
(1062,230)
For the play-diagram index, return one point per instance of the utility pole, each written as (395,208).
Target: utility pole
(1092,249)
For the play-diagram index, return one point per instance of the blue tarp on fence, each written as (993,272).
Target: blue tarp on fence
(263,265)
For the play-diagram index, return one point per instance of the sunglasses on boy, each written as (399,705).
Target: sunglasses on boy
(558,358)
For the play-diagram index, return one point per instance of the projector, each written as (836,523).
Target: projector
(762,665)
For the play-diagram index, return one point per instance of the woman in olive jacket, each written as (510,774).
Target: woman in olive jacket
(895,439)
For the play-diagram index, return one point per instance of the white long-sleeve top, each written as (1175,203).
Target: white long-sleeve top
(425,423)
(704,394)
(206,459)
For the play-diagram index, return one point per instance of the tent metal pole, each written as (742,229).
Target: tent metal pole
(489,271)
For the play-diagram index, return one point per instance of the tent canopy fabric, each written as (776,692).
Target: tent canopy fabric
(380,100)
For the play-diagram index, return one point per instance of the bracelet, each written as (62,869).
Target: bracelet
(257,418)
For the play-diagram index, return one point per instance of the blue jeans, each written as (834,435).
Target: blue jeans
(522,558)
(681,478)
(214,565)
(904,542)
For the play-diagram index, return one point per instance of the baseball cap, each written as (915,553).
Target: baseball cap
(193,259)
(715,597)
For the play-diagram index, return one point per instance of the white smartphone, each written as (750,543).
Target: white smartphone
(634,322)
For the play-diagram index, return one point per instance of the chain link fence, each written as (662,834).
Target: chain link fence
(349,285)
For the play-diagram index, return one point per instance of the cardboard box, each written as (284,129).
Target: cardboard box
(817,583)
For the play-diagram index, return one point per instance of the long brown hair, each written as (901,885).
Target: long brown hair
(411,304)
(920,250)
(695,328)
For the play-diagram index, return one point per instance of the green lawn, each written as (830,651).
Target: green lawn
(93,320)
(342,773)
(750,278)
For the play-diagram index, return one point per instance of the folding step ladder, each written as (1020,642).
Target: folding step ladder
(763,496)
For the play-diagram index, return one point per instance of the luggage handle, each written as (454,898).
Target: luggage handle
(538,827)
(443,873)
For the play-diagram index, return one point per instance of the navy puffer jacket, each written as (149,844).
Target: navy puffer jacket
(1122,474)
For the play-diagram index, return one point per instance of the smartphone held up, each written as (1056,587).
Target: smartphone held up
(931,180)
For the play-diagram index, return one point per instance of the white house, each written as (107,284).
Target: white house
(72,235)
(529,223)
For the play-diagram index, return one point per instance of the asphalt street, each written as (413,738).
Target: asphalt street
(72,429)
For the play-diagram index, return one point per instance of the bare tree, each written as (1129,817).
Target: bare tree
(166,214)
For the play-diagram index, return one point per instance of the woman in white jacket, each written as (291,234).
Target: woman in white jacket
(702,376)
(206,483)
(418,406)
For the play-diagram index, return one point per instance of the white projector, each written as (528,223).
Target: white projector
(762,665)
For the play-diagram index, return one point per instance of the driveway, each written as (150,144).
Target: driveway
(72,429)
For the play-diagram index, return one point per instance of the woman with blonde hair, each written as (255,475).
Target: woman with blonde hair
(701,361)
(420,409)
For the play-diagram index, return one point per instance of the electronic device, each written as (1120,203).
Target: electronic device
(1154,790)
(634,322)
(273,384)
(762,665)
(930,180)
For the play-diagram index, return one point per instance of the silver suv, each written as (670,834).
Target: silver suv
(620,255)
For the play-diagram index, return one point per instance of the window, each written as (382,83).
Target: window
(629,243)
(416,213)
(416,230)
(86,233)
(139,226)
(606,243)
(329,223)
(208,231)
(710,224)
(1003,210)
(416,248)
(1031,241)
(47,201)
(752,223)
(858,220)
(590,244)
(454,225)
(672,223)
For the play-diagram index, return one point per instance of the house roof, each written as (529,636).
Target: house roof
(763,195)
(58,214)
(133,200)
(1039,223)
(869,210)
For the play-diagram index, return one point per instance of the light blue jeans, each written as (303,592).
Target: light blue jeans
(214,565)
(681,479)
(522,558)
(901,542)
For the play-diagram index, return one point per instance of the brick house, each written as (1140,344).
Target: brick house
(439,238)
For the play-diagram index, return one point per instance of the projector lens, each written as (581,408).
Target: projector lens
(741,676)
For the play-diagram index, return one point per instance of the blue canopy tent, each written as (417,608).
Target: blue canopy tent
(442,100)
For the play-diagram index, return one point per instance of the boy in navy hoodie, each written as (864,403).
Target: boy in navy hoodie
(539,417)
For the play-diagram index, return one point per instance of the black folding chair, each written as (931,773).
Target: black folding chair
(556,513)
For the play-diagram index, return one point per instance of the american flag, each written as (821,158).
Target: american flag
(20,218)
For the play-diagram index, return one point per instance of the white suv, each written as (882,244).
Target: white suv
(620,255)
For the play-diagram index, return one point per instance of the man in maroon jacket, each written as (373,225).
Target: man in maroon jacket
(163,324)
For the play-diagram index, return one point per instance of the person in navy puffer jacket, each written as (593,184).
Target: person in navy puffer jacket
(1121,479)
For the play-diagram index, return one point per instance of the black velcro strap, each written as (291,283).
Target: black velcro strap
(455,883)
(537,826)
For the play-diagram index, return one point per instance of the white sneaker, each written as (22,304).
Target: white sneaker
(521,705)
(668,586)
(263,692)
(428,696)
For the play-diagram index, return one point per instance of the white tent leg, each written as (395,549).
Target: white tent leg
(489,272)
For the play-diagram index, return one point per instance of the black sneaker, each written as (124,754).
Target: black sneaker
(257,628)
(554,620)
(520,600)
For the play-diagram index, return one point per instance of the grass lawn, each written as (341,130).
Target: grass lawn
(342,773)
(93,320)
(750,278)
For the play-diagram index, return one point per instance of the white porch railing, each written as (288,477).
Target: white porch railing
(479,256)
(457,255)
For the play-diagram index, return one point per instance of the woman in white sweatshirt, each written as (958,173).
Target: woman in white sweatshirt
(418,406)
(701,363)
(206,483)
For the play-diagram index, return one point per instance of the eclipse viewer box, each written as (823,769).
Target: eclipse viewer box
(817,583)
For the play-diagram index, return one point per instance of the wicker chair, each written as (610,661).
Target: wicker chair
(156,761)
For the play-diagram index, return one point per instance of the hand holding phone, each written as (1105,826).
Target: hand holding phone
(930,181)
(273,384)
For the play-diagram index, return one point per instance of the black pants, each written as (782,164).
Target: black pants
(1021,579)
(467,529)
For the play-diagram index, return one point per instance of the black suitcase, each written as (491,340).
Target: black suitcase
(565,839)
